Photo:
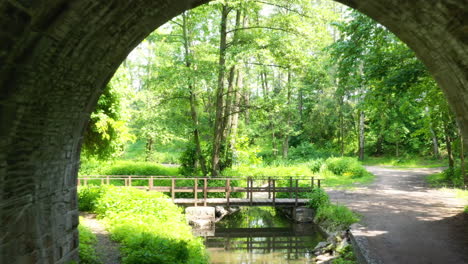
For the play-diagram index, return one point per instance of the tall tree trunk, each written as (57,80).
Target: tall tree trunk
(435,144)
(196,133)
(341,118)
(235,110)
(193,99)
(218,125)
(397,148)
(149,148)
(288,117)
(448,143)
(361,135)
(462,160)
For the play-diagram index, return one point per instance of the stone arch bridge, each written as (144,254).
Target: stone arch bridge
(55,58)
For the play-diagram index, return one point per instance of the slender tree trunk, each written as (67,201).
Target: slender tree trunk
(397,149)
(462,160)
(218,125)
(288,118)
(149,148)
(448,143)
(193,99)
(435,144)
(235,110)
(341,117)
(361,135)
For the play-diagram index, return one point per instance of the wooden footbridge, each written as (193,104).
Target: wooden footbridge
(196,191)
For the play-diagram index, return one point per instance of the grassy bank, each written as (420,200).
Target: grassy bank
(405,162)
(149,229)
(343,171)
(87,246)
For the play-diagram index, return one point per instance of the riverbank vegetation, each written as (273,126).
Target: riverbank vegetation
(147,225)
(87,246)
(331,217)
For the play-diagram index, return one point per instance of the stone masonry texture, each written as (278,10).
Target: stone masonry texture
(57,55)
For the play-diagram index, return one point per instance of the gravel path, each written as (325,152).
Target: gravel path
(405,221)
(107,250)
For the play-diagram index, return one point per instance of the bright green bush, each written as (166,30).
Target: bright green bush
(149,227)
(332,217)
(87,246)
(87,197)
(335,217)
(318,198)
(315,165)
(345,166)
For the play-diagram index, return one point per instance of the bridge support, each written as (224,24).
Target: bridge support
(201,217)
(299,214)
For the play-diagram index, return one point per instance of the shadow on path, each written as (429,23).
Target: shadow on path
(405,221)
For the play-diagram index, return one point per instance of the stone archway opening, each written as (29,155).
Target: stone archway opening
(55,58)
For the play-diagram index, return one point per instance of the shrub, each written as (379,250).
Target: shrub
(346,256)
(87,197)
(87,246)
(335,217)
(315,165)
(148,226)
(318,198)
(330,216)
(349,167)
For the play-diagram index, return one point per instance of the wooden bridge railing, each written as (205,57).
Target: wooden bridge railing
(267,185)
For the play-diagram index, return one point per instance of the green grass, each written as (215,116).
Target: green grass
(148,226)
(87,246)
(92,167)
(335,172)
(161,153)
(404,162)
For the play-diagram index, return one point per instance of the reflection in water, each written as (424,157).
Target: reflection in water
(259,235)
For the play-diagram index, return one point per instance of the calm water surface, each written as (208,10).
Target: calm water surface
(261,235)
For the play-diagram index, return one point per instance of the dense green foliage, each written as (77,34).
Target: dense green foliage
(284,81)
(149,228)
(95,167)
(330,216)
(346,256)
(87,246)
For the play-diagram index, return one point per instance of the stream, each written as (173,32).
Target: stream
(261,235)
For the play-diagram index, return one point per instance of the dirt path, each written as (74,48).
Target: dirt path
(107,250)
(407,222)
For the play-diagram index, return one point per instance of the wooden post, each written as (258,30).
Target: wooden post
(151,183)
(297,187)
(312,181)
(195,189)
(318,183)
(269,187)
(251,191)
(172,189)
(108,180)
(248,184)
(228,190)
(86,181)
(274,190)
(290,187)
(205,187)
(130,181)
